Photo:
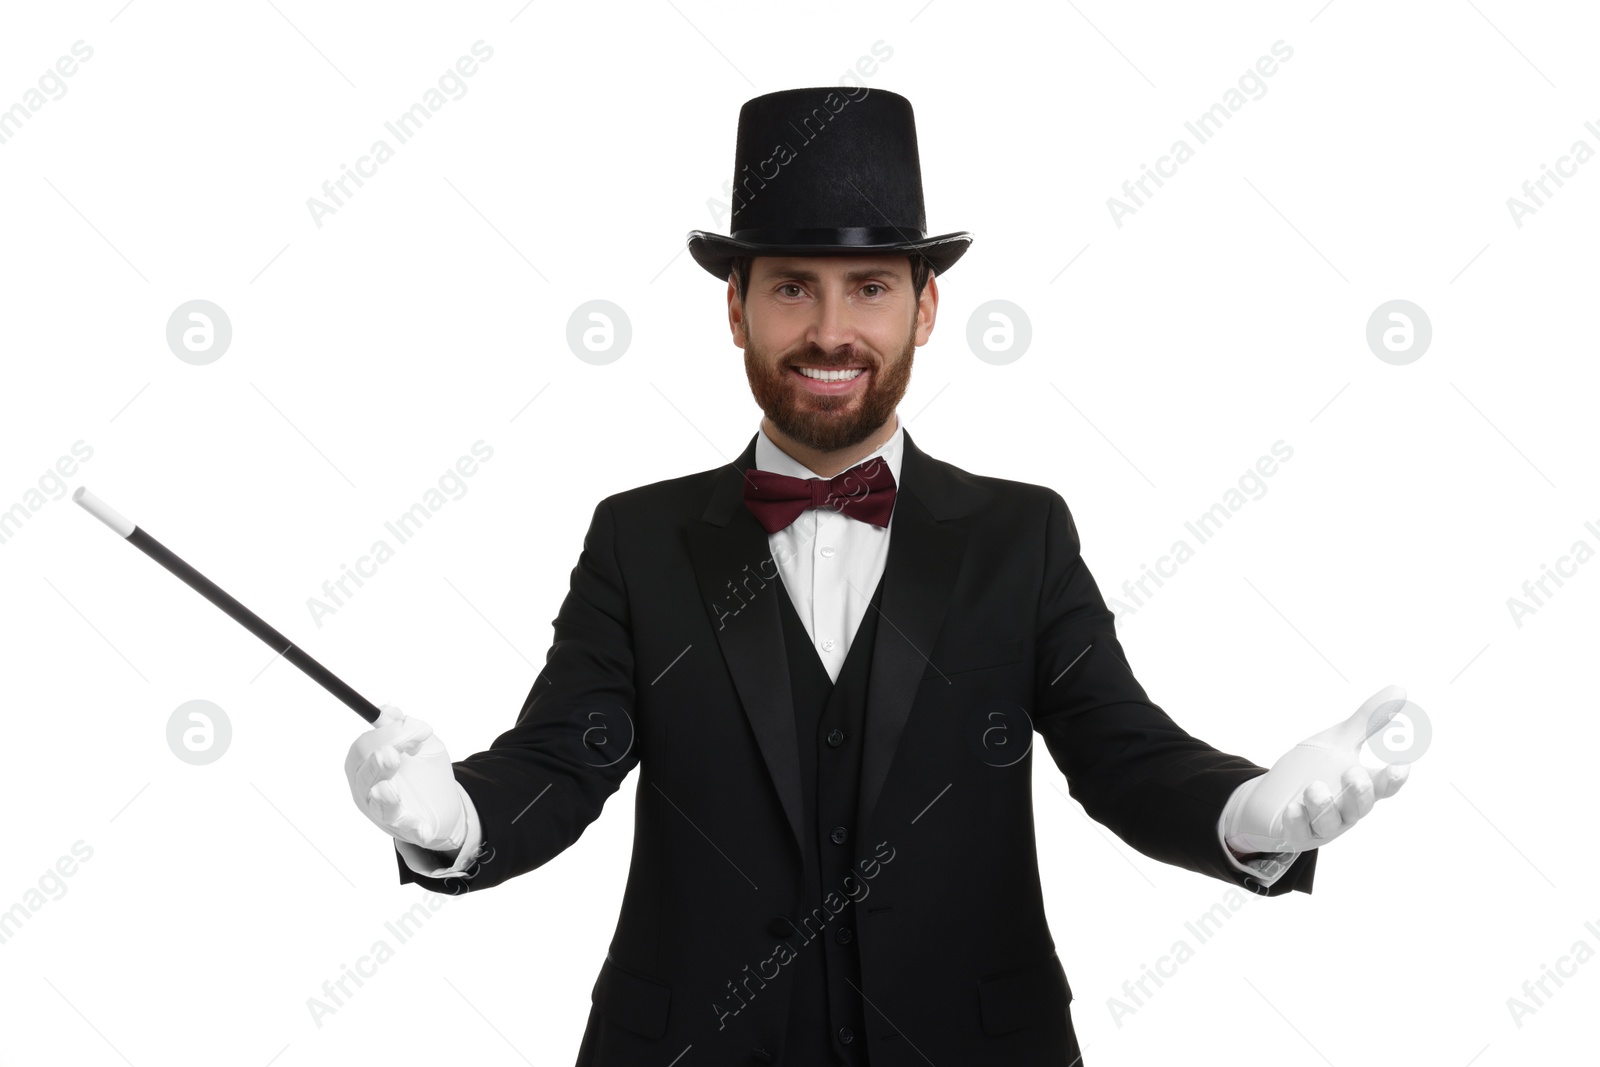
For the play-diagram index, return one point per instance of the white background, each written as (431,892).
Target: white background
(430,311)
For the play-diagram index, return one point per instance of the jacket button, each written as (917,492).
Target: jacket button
(780,927)
(846,1035)
(842,935)
(839,834)
(761,1055)
(835,738)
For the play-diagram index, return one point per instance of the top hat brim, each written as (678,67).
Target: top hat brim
(716,252)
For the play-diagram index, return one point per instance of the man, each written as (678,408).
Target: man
(827,660)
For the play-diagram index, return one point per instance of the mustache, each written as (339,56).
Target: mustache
(815,357)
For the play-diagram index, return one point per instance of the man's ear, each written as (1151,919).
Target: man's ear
(927,310)
(735,313)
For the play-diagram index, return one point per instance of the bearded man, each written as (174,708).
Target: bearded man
(828,660)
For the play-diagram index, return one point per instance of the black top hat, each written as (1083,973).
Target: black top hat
(826,171)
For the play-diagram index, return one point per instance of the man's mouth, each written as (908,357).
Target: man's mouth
(830,381)
(844,374)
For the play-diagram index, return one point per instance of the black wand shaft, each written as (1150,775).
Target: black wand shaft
(240,614)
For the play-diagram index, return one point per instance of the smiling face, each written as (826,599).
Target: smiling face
(828,342)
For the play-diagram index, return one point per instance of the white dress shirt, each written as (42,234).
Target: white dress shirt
(830,565)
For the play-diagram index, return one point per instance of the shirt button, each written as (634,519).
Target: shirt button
(842,935)
(839,834)
(835,738)
(827,551)
(846,1035)
(827,645)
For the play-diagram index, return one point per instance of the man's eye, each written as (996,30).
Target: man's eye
(787,285)
(873,285)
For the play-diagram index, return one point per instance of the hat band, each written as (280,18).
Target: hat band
(843,235)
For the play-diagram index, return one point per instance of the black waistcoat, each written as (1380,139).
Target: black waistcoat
(826,1015)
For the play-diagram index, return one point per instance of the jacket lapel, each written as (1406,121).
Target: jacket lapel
(737,578)
(926,547)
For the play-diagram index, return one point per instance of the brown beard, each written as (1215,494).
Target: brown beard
(822,422)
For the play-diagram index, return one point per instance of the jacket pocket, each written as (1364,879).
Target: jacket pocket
(973,656)
(631,1001)
(1020,997)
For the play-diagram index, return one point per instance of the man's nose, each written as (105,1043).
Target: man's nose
(832,327)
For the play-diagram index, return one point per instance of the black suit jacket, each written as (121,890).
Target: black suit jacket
(669,656)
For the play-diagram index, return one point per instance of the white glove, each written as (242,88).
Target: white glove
(1292,808)
(401,778)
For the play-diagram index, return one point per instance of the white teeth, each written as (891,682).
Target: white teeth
(830,375)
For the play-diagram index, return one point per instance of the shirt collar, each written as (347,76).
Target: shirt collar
(769,457)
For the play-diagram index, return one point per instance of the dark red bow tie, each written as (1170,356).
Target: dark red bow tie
(865,492)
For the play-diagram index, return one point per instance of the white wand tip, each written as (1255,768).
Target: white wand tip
(102,511)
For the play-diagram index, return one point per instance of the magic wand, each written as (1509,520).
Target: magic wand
(214,593)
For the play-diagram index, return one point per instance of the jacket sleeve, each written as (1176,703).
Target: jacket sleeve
(542,782)
(1125,760)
